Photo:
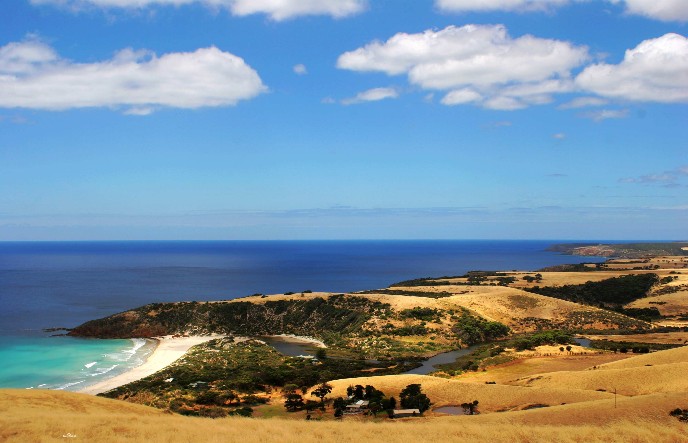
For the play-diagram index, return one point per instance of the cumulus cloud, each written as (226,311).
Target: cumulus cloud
(656,70)
(666,10)
(372,95)
(34,76)
(276,9)
(461,96)
(497,5)
(478,64)
(300,69)
(584,102)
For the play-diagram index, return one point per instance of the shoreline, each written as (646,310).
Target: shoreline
(168,350)
(300,339)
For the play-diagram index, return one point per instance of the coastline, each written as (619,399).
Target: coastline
(168,350)
(300,339)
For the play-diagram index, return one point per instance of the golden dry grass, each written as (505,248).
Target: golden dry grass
(669,356)
(668,304)
(454,392)
(506,373)
(628,381)
(674,338)
(493,302)
(46,416)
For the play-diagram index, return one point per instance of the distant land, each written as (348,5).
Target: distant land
(622,250)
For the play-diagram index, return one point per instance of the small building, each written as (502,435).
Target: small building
(401,413)
(357,407)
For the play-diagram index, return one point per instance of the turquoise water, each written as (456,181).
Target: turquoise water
(65,362)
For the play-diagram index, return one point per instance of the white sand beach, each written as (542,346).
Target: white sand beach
(301,339)
(168,350)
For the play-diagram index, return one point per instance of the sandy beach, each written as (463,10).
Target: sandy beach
(168,350)
(300,339)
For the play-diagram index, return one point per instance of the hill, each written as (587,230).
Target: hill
(46,416)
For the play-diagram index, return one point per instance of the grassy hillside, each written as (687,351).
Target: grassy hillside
(47,416)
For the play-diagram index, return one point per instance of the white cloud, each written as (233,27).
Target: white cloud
(656,71)
(584,102)
(605,114)
(276,9)
(497,5)
(461,96)
(143,110)
(300,69)
(559,136)
(508,73)
(371,95)
(502,103)
(33,76)
(666,10)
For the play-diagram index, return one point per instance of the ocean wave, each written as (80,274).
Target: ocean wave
(89,365)
(67,385)
(127,354)
(101,371)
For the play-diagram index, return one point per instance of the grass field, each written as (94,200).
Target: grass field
(49,416)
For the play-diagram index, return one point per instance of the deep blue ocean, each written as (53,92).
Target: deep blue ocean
(63,284)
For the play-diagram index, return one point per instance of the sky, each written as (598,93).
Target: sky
(343,119)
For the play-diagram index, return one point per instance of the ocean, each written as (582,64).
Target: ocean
(63,284)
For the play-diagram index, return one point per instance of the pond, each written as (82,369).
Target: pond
(289,346)
(451,410)
(581,341)
(428,365)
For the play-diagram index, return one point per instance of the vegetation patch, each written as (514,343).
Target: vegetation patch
(472,329)
(614,291)
(635,347)
(231,376)
(426,294)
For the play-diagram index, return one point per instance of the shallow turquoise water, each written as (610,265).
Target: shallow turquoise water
(65,362)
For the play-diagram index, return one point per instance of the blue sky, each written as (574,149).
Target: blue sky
(338,119)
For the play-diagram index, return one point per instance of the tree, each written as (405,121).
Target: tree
(293,400)
(311,405)
(321,354)
(568,348)
(359,392)
(374,407)
(321,392)
(470,408)
(561,349)
(373,394)
(412,397)
(339,403)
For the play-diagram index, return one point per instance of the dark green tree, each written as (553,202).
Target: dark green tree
(412,397)
(470,408)
(293,400)
(322,391)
